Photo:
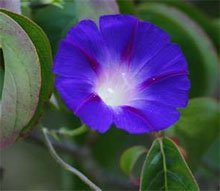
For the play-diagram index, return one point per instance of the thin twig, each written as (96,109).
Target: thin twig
(90,165)
(75,132)
(62,146)
(67,166)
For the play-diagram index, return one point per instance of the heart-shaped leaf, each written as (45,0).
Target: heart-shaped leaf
(27,78)
(165,169)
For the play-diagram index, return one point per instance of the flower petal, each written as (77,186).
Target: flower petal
(131,120)
(169,60)
(159,115)
(70,62)
(89,58)
(87,37)
(171,91)
(72,91)
(149,40)
(118,31)
(95,113)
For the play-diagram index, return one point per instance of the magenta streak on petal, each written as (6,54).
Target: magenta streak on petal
(140,115)
(90,97)
(144,64)
(154,80)
(127,53)
(121,62)
(93,63)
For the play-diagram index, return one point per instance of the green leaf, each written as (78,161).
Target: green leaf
(130,157)
(20,92)
(27,76)
(89,9)
(69,15)
(198,127)
(197,15)
(1,73)
(107,156)
(195,43)
(126,7)
(55,20)
(165,169)
(211,157)
(42,3)
(43,48)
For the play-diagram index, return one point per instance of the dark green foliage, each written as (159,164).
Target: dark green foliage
(165,169)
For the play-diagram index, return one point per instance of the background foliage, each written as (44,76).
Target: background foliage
(114,160)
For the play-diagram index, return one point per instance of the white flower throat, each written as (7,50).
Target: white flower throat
(115,88)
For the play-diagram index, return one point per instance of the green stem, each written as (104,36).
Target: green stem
(67,166)
(66,132)
(78,131)
(164,164)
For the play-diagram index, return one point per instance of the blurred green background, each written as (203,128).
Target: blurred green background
(195,25)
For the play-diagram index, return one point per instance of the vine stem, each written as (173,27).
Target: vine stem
(78,131)
(66,166)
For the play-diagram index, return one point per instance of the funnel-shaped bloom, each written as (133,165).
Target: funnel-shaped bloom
(124,72)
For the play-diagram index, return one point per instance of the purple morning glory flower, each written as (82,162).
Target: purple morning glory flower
(124,72)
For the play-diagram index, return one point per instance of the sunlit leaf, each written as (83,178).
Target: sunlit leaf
(90,9)
(165,169)
(1,72)
(20,92)
(41,3)
(27,77)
